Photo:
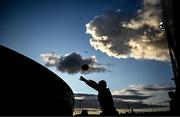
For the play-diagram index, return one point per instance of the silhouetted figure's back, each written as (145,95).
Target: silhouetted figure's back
(172,102)
(104,96)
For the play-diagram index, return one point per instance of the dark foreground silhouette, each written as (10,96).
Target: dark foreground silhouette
(28,88)
(170,13)
(104,96)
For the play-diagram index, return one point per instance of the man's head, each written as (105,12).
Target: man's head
(171,94)
(102,84)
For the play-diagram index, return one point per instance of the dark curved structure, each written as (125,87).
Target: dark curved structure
(28,88)
(170,12)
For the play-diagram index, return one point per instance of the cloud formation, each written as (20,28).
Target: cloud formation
(143,90)
(71,63)
(91,101)
(135,96)
(116,97)
(155,94)
(51,59)
(137,37)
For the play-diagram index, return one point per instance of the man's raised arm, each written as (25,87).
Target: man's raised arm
(90,83)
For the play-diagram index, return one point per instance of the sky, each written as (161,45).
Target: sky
(119,39)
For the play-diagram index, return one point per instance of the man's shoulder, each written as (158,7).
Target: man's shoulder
(108,89)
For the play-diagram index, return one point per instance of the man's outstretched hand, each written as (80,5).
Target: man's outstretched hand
(90,83)
(82,78)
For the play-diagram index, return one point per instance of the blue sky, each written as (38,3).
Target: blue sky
(34,27)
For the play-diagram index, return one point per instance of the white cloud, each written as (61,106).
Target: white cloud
(148,50)
(139,37)
(50,58)
(79,98)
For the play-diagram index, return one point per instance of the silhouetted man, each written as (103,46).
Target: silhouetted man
(104,96)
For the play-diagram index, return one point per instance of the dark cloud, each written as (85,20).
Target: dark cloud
(138,37)
(143,89)
(132,97)
(71,63)
(165,101)
(157,88)
(135,105)
(133,91)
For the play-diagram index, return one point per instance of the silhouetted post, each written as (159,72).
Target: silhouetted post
(170,15)
(132,111)
(84,112)
(151,106)
(128,107)
(79,105)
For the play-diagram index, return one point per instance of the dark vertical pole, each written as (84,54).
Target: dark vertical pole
(170,16)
